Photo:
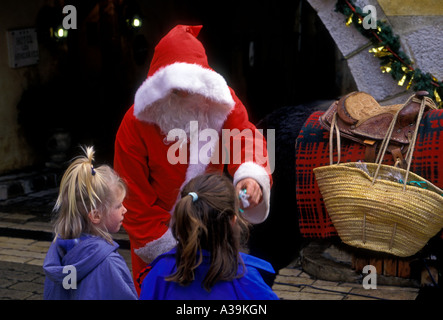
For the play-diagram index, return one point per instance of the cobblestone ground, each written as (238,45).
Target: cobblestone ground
(22,255)
(20,281)
(22,278)
(21,273)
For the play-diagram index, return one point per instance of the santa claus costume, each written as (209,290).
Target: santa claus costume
(163,142)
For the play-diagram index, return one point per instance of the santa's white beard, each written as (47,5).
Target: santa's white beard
(176,112)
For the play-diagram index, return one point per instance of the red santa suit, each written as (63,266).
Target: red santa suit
(185,121)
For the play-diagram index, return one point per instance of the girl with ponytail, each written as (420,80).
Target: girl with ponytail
(207,262)
(83,262)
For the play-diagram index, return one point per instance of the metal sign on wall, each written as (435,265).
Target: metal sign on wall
(22,47)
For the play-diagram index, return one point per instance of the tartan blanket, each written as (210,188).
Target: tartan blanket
(312,150)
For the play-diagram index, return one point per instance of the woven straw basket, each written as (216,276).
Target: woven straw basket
(381,216)
(370,209)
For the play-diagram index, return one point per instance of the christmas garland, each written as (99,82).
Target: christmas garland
(393,60)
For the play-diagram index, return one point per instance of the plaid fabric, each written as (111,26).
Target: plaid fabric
(312,150)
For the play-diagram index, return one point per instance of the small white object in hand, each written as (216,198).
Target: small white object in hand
(243,196)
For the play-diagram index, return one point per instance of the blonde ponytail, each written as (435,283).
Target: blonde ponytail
(83,189)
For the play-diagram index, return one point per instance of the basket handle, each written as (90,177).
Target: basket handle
(331,140)
(423,103)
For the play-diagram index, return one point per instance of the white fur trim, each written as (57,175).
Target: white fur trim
(157,247)
(259,213)
(190,77)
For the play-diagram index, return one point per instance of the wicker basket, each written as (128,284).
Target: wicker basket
(381,216)
(375,210)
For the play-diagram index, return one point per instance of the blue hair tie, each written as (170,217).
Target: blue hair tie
(194,196)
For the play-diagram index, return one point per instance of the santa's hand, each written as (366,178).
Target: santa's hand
(253,191)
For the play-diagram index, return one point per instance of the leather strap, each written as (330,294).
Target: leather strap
(337,119)
(370,152)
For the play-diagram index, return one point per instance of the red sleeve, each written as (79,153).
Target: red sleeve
(248,158)
(246,142)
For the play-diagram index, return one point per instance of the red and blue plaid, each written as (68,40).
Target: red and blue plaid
(312,150)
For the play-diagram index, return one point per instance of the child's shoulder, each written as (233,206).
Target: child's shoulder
(166,258)
(162,266)
(98,242)
(257,263)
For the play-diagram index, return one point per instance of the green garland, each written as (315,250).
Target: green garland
(393,60)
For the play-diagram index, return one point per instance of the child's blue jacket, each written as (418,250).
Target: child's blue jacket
(86,268)
(250,286)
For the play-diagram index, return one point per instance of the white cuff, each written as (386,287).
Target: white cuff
(157,247)
(259,213)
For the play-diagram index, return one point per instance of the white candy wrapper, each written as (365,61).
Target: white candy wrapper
(243,196)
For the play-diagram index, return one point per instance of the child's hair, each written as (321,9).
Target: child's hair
(208,223)
(83,189)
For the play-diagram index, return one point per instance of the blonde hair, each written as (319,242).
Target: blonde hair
(83,189)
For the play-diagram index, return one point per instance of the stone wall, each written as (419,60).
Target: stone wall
(14,151)
(421,37)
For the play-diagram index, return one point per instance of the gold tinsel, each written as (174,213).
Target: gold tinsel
(402,80)
(380,52)
(437,97)
(348,23)
(386,68)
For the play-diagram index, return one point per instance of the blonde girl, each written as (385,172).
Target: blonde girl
(88,209)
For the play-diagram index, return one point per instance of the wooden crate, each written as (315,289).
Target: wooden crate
(394,267)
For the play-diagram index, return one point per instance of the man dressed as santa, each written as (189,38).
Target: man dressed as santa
(185,121)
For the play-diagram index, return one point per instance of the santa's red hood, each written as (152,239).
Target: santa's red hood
(180,62)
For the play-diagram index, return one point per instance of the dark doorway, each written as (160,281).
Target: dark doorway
(273,54)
